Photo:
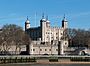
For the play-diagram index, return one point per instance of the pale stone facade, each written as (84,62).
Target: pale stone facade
(47,39)
(43,49)
(11,49)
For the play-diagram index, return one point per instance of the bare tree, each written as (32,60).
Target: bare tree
(79,37)
(13,35)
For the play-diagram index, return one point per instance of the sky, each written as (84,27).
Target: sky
(77,12)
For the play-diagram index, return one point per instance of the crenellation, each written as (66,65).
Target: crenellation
(45,37)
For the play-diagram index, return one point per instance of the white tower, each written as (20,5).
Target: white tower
(27,24)
(43,28)
(48,29)
(64,23)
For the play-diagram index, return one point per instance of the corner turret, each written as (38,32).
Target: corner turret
(64,23)
(27,24)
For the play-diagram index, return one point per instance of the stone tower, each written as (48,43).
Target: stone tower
(64,23)
(43,28)
(27,24)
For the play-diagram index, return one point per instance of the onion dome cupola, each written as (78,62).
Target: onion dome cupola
(64,19)
(64,22)
(47,19)
(43,19)
(27,21)
(47,22)
(27,24)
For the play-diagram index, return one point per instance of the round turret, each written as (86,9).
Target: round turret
(48,21)
(64,23)
(27,24)
(43,20)
(64,20)
(27,21)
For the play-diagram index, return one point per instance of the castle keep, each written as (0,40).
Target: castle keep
(47,39)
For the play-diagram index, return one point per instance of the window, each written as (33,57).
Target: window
(45,49)
(33,49)
(56,49)
(46,32)
(47,36)
(49,49)
(56,33)
(61,33)
(65,43)
(56,37)
(40,49)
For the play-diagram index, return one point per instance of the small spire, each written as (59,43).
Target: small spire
(46,17)
(27,17)
(64,16)
(42,15)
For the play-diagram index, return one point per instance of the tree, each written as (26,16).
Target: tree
(79,38)
(13,35)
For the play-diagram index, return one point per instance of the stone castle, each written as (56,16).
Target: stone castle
(47,39)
